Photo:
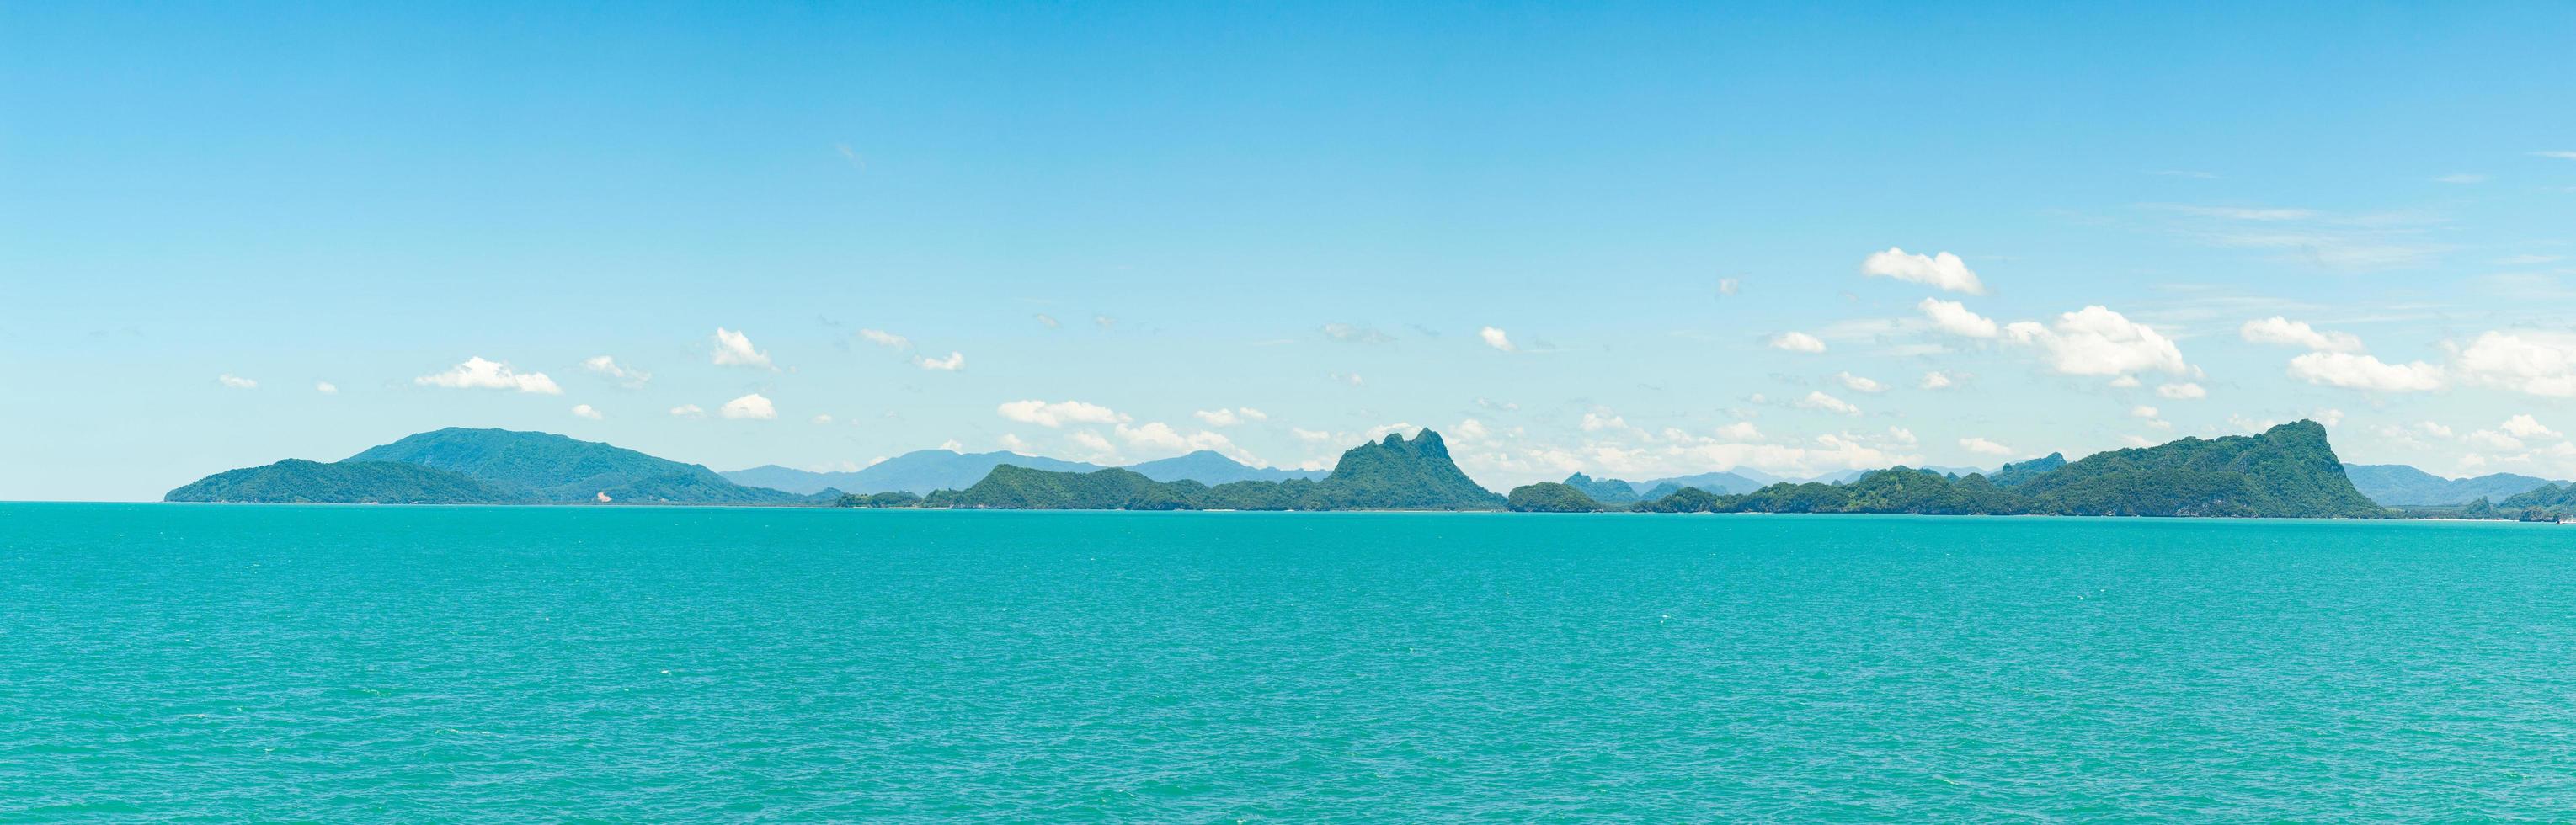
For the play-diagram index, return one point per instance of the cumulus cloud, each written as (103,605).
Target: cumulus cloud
(2125,382)
(1943,271)
(1938,380)
(753,406)
(326,388)
(734,349)
(1014,443)
(1821,401)
(886,339)
(2280,330)
(1495,338)
(954,362)
(689,411)
(820,419)
(1060,413)
(1982,445)
(2363,372)
(236,382)
(1797,342)
(2524,426)
(604,365)
(2097,341)
(2142,411)
(1222,417)
(2530,361)
(586,411)
(2184,391)
(479,374)
(1954,318)
(1859,383)
(1740,431)
(1729,286)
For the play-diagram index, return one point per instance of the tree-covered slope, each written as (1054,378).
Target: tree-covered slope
(1552,497)
(2289,471)
(361,482)
(2396,484)
(560,469)
(2016,473)
(1603,490)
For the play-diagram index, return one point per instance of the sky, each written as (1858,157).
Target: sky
(1632,240)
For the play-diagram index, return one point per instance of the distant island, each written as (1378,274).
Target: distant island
(2288,471)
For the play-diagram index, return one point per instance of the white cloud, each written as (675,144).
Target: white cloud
(2363,372)
(2280,330)
(2524,426)
(1982,445)
(2185,391)
(2097,341)
(886,339)
(1821,401)
(1014,443)
(2142,411)
(1797,342)
(2329,417)
(1049,321)
(1495,338)
(326,388)
(1729,286)
(1311,436)
(1954,318)
(820,419)
(1740,431)
(1103,321)
(1351,378)
(733,349)
(2559,154)
(1094,443)
(1944,271)
(954,362)
(689,411)
(1860,383)
(477,373)
(586,411)
(2433,429)
(1594,422)
(2125,382)
(754,406)
(604,365)
(1222,417)
(2535,362)
(1938,380)
(1059,413)
(1157,436)
(1356,334)
(236,382)
(2461,177)
(2493,440)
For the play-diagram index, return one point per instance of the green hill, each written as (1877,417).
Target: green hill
(555,468)
(2286,472)
(1604,490)
(2014,474)
(347,482)
(1551,497)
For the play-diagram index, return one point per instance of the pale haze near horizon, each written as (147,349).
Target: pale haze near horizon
(1634,242)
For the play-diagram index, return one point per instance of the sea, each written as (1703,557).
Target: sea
(650,664)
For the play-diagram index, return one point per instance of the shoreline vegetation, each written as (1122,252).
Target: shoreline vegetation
(2288,471)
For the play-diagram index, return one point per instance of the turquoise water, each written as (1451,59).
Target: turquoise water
(392,663)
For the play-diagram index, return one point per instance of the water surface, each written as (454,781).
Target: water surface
(631,663)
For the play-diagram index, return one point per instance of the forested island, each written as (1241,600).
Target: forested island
(2288,471)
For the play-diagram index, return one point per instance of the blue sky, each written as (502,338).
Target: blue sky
(1130,224)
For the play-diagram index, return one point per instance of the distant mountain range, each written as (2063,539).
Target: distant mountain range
(2287,471)
(922,472)
(458,465)
(2398,484)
